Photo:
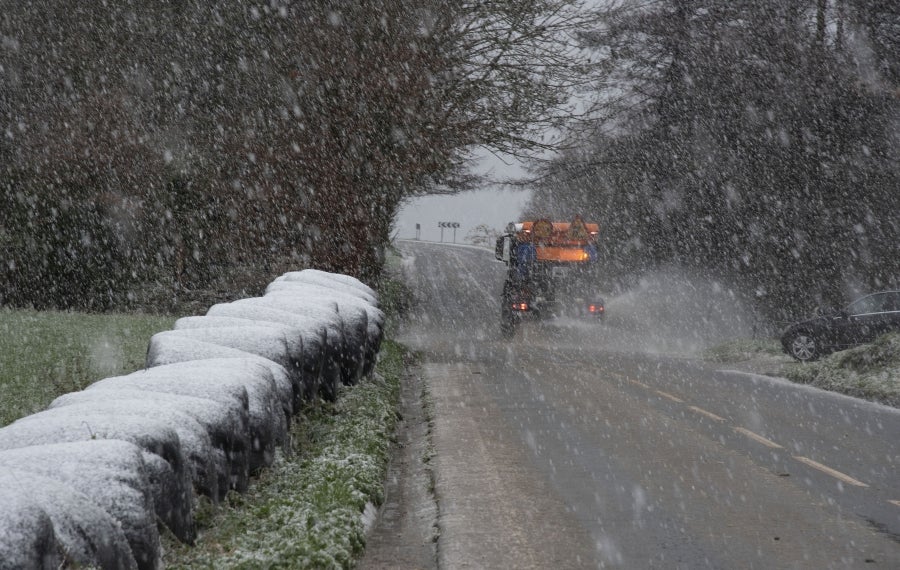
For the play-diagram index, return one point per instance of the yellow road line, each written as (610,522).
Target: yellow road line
(669,396)
(707,414)
(641,384)
(828,470)
(758,438)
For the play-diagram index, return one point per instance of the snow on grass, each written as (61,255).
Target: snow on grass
(308,510)
(870,371)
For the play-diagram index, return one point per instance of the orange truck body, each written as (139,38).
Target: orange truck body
(557,241)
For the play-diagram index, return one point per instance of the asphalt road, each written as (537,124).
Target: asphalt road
(574,446)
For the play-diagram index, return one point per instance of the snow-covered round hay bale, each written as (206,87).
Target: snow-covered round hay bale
(354,319)
(346,282)
(167,469)
(375,314)
(297,341)
(209,465)
(27,539)
(222,379)
(313,331)
(264,341)
(174,350)
(354,314)
(336,343)
(348,307)
(111,473)
(353,325)
(237,444)
(89,536)
(181,346)
(316,293)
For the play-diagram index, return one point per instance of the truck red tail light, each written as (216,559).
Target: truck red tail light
(595,308)
(520,306)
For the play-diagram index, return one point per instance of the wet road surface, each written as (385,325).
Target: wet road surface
(574,446)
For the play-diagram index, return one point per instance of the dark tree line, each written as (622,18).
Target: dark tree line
(753,141)
(166,142)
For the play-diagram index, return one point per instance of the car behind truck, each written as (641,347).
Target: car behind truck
(551,271)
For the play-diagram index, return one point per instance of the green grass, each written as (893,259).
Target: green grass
(46,354)
(306,511)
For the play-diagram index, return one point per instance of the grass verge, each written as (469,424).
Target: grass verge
(742,349)
(396,297)
(307,510)
(870,371)
(49,353)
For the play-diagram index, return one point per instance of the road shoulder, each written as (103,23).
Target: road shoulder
(404,532)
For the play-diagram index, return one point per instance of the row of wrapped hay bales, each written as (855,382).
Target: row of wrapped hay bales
(88,481)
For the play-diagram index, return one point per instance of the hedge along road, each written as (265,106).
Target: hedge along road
(569,447)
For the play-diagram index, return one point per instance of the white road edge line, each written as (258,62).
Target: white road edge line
(758,438)
(828,470)
(669,396)
(706,413)
(897,503)
(767,442)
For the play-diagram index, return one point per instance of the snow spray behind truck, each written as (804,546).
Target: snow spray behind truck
(552,271)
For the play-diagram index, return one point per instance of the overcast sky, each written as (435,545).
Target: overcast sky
(492,205)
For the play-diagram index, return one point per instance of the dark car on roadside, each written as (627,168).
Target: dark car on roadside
(832,330)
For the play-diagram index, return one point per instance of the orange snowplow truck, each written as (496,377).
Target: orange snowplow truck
(551,271)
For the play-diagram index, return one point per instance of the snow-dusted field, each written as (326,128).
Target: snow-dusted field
(85,481)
